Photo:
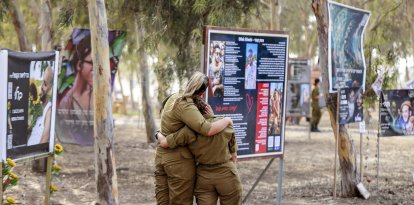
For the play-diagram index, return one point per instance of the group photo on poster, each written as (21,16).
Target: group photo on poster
(346,55)
(75,100)
(216,68)
(31,96)
(351,105)
(397,114)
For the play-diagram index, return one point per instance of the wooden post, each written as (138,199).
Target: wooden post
(336,142)
(48,178)
(360,157)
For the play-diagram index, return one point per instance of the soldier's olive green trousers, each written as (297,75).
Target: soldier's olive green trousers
(174,176)
(316,116)
(220,181)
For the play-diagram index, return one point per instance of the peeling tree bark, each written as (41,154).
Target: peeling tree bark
(105,168)
(346,153)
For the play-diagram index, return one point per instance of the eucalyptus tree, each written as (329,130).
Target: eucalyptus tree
(19,26)
(105,167)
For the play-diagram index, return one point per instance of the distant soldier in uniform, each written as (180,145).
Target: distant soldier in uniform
(175,168)
(217,175)
(316,110)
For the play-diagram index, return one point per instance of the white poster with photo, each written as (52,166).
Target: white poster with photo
(377,85)
(28,86)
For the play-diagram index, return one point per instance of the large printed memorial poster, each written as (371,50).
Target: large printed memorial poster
(346,62)
(397,115)
(351,105)
(27,100)
(247,72)
(75,86)
(298,89)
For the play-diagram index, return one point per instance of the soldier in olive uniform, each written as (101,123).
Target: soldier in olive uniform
(217,175)
(175,168)
(316,110)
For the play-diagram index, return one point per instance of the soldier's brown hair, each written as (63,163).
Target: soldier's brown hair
(197,85)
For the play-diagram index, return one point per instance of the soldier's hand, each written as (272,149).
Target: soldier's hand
(162,140)
(229,120)
(209,110)
(234,157)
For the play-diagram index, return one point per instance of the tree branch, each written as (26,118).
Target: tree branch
(380,18)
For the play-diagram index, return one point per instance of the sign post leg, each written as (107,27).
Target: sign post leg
(279,182)
(48,179)
(378,163)
(336,143)
(360,158)
(258,179)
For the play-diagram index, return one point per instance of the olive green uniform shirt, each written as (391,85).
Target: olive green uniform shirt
(185,113)
(175,168)
(316,110)
(206,149)
(315,99)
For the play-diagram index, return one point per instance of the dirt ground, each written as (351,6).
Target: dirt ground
(307,174)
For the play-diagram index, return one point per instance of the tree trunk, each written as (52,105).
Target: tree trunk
(19,26)
(124,98)
(410,17)
(346,153)
(40,165)
(105,168)
(46,26)
(131,90)
(150,127)
(275,20)
(35,9)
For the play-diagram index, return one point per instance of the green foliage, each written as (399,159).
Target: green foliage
(6,170)
(164,71)
(4,6)
(386,41)
(9,178)
(179,24)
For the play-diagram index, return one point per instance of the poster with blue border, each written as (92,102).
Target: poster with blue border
(346,62)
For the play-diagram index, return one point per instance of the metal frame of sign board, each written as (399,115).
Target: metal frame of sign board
(260,33)
(3,101)
(3,106)
(309,82)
